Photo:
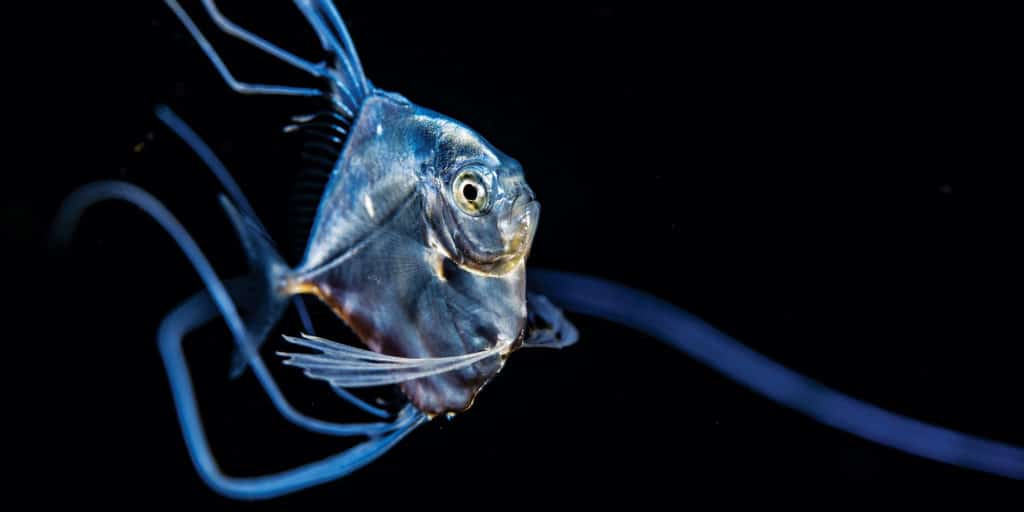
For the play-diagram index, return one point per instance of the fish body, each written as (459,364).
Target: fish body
(419,244)
(415,268)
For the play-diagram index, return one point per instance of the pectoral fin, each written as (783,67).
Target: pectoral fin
(546,326)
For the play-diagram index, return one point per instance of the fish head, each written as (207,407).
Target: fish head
(482,213)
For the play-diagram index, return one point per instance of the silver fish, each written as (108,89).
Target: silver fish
(419,245)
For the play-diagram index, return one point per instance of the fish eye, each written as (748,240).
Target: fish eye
(470,192)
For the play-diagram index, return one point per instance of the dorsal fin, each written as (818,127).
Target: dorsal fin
(323,136)
(324,133)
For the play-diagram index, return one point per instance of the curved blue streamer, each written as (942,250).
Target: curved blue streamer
(689,334)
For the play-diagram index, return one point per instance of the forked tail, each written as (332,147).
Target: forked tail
(259,292)
(75,205)
(256,295)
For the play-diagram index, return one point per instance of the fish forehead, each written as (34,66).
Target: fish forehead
(457,143)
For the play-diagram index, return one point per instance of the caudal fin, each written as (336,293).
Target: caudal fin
(258,293)
(262,291)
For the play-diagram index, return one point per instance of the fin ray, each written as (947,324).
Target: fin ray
(350,367)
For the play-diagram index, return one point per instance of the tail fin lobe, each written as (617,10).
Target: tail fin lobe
(263,292)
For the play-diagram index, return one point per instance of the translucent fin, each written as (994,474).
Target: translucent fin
(259,248)
(351,367)
(335,40)
(323,139)
(267,270)
(343,70)
(264,261)
(199,147)
(222,68)
(546,326)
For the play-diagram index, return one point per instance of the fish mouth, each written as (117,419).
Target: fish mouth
(522,226)
(522,240)
(511,235)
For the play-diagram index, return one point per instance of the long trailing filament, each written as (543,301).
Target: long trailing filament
(351,367)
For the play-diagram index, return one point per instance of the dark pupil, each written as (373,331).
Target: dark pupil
(469,192)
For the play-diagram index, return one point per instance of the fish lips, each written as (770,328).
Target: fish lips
(517,230)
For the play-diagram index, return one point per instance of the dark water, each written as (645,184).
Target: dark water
(828,192)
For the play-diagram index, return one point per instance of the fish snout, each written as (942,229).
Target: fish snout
(521,224)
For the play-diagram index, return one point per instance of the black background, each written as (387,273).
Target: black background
(826,187)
